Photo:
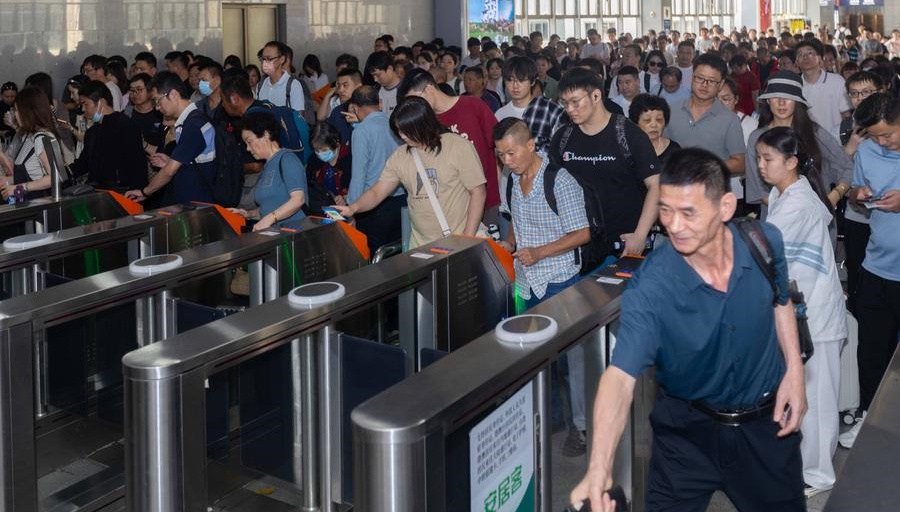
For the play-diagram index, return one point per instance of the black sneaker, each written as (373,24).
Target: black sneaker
(575,445)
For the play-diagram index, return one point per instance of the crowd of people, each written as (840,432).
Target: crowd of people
(579,152)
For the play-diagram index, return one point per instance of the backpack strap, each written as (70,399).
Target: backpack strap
(287,91)
(622,139)
(646,81)
(550,185)
(754,237)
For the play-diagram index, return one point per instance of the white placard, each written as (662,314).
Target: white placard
(501,456)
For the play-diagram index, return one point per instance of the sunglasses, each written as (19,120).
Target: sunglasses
(655,64)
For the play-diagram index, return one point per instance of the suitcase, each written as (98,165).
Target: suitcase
(848,395)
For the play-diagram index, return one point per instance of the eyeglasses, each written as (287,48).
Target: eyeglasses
(865,93)
(655,64)
(136,90)
(699,80)
(572,103)
(87,70)
(157,99)
(269,59)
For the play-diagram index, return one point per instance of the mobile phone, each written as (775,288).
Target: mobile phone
(62,121)
(870,202)
(333,213)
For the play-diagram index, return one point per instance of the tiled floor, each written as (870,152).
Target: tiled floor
(568,471)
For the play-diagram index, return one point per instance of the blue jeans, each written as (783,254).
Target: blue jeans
(559,370)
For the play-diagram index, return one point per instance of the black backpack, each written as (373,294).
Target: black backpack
(594,252)
(229,184)
(317,197)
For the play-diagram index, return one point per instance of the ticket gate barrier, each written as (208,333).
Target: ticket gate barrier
(33,261)
(473,430)
(63,445)
(47,215)
(868,479)
(290,436)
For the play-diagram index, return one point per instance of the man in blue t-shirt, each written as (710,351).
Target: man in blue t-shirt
(727,360)
(876,182)
(189,172)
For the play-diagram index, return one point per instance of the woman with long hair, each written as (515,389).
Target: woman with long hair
(452,173)
(26,165)
(800,209)
(312,71)
(783,104)
(653,64)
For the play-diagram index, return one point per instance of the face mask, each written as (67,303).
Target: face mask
(96,117)
(268,68)
(325,156)
(204,88)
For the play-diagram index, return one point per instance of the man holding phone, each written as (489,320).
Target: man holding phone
(876,181)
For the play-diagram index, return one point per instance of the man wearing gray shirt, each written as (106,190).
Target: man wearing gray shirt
(701,121)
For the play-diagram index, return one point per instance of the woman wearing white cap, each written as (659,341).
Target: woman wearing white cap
(783,104)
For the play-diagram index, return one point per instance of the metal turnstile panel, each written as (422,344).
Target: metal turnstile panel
(478,293)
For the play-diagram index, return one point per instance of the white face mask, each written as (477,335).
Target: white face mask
(268,68)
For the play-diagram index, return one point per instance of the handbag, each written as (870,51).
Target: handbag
(752,233)
(482,231)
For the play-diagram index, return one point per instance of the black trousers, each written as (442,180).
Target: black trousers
(693,456)
(878,312)
(856,237)
(381,225)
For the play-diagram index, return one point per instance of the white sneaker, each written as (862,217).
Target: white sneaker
(849,437)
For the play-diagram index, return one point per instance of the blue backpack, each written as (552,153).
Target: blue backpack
(295,131)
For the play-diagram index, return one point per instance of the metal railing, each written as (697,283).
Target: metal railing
(425,444)
(25,320)
(443,293)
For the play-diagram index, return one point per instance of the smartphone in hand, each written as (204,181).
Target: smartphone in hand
(333,214)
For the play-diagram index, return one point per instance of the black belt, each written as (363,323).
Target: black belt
(736,417)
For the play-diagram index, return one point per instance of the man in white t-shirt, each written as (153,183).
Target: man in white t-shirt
(279,87)
(825,92)
(595,48)
(474,56)
(684,60)
(382,69)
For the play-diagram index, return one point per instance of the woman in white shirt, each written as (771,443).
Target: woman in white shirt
(801,210)
(312,71)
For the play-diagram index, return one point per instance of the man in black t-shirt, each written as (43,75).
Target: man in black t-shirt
(625,181)
(622,183)
(142,112)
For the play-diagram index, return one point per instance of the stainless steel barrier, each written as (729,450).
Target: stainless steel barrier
(27,260)
(63,450)
(91,323)
(46,214)
(447,292)
(868,479)
(473,431)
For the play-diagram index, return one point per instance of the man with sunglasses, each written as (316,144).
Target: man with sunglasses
(703,121)
(189,173)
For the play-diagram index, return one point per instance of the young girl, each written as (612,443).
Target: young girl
(799,208)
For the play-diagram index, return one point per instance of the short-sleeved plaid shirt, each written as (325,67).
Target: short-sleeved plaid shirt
(535,225)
